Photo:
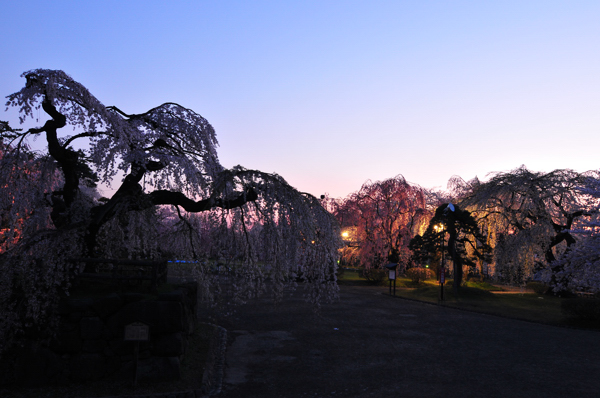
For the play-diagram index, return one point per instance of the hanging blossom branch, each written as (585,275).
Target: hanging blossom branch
(168,156)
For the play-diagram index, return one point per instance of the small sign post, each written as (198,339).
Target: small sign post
(136,332)
(442,281)
(392,275)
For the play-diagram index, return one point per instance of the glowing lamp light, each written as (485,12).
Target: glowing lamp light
(345,234)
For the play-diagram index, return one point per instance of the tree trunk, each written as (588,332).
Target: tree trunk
(456,261)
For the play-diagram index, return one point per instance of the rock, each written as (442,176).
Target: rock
(129,297)
(171,345)
(87,367)
(125,348)
(113,365)
(159,369)
(81,306)
(67,342)
(163,317)
(92,346)
(175,295)
(63,307)
(66,326)
(35,368)
(91,328)
(108,305)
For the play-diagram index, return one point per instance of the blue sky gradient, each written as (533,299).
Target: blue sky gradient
(332,93)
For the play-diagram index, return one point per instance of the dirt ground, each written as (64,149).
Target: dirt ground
(372,344)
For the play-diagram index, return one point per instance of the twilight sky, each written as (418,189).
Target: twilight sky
(332,93)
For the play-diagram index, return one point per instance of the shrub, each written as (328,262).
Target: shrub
(582,310)
(374,275)
(538,287)
(417,275)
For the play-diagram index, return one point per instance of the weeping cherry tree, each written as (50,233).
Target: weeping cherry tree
(169,161)
(530,217)
(383,216)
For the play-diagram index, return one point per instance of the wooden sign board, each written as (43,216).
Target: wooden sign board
(392,274)
(137,331)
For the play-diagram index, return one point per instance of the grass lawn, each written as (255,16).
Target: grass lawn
(477,296)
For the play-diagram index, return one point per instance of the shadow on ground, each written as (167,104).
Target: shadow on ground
(371,344)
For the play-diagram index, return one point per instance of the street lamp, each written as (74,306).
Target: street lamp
(391,267)
(440,228)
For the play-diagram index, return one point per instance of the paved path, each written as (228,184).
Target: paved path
(371,344)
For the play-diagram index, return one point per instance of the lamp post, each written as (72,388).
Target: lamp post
(392,276)
(440,228)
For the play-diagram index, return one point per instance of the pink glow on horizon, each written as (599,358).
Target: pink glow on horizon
(329,96)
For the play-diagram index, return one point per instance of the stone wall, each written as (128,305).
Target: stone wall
(90,345)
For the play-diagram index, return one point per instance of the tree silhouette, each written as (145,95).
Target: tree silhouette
(530,216)
(465,241)
(168,158)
